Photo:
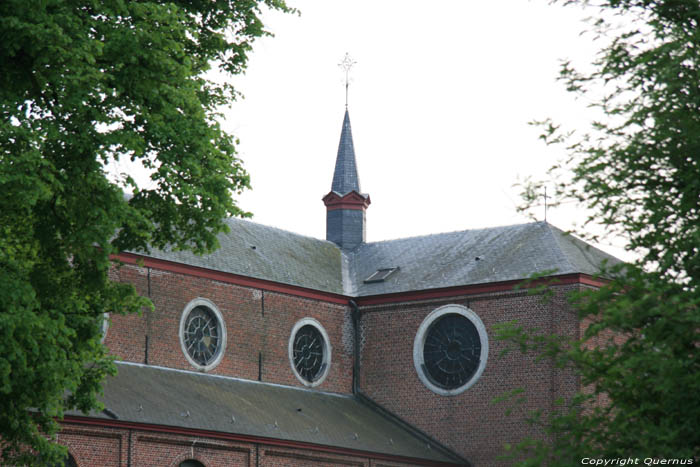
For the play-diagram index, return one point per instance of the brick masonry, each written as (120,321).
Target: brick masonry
(469,423)
(259,323)
(129,447)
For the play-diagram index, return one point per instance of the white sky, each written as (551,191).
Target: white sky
(440,101)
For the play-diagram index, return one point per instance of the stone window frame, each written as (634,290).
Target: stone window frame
(199,301)
(327,351)
(419,342)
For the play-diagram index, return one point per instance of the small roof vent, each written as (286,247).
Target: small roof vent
(380,275)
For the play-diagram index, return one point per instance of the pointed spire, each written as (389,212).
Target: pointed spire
(345,178)
(345,205)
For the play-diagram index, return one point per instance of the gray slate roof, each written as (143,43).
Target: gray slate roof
(345,178)
(450,259)
(426,262)
(185,399)
(278,256)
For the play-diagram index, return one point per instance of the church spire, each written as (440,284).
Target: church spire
(345,178)
(345,204)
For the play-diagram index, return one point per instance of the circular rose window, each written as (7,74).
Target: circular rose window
(450,349)
(202,334)
(309,352)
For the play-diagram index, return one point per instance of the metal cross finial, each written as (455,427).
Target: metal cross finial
(545,204)
(346,64)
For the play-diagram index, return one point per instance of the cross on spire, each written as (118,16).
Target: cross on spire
(345,65)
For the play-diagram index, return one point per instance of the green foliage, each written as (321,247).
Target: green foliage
(638,173)
(82,85)
(638,366)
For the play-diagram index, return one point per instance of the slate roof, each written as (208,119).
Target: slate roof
(450,259)
(186,399)
(468,257)
(345,178)
(427,262)
(262,252)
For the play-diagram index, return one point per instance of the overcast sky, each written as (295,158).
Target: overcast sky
(440,101)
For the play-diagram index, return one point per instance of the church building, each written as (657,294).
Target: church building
(283,350)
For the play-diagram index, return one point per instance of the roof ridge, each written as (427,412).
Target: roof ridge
(583,247)
(560,251)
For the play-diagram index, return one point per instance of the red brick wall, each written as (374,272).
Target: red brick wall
(260,322)
(91,446)
(122,447)
(170,450)
(126,335)
(257,322)
(602,339)
(281,313)
(273,456)
(95,446)
(468,423)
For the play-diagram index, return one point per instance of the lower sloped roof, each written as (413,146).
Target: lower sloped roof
(191,400)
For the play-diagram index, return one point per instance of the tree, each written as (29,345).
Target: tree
(638,173)
(84,84)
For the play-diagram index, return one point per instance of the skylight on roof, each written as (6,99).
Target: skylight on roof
(380,275)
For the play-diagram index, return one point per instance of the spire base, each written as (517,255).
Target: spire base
(351,200)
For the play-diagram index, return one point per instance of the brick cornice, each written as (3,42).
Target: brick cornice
(503,286)
(351,200)
(245,281)
(329,297)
